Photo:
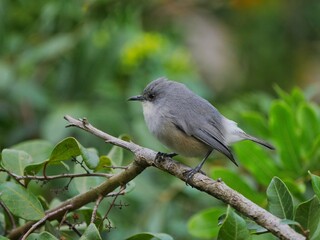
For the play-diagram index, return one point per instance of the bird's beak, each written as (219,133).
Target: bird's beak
(136,98)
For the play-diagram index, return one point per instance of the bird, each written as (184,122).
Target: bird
(188,124)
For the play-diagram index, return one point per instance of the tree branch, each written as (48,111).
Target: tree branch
(63,175)
(145,157)
(120,179)
(42,221)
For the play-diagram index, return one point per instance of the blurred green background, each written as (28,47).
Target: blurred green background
(85,58)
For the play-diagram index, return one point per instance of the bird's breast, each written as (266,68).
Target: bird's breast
(162,127)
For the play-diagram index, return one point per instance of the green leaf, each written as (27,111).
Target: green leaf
(289,222)
(116,155)
(280,199)
(4,238)
(104,163)
(84,184)
(50,228)
(15,161)
(130,186)
(281,93)
(297,97)
(41,236)
(255,228)
(283,128)
(315,180)
(43,202)
(296,188)
(21,202)
(65,150)
(90,157)
(125,137)
(293,99)
(233,227)
(314,154)
(265,236)
(3,176)
(84,215)
(257,161)
(309,124)
(39,150)
(316,235)
(236,181)
(256,122)
(91,233)
(33,169)
(308,215)
(150,236)
(69,148)
(205,223)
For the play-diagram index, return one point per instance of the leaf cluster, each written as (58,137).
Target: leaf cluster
(23,163)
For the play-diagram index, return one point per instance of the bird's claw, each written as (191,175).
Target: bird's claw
(161,156)
(190,173)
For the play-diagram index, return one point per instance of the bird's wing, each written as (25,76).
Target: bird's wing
(208,137)
(198,118)
(206,131)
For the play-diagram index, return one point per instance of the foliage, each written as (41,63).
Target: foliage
(70,60)
(24,202)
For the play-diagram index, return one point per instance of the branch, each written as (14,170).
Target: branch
(112,204)
(217,189)
(120,179)
(95,209)
(64,175)
(145,157)
(41,221)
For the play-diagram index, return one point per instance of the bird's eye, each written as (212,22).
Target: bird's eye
(151,96)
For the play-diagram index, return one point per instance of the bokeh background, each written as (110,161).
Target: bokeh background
(86,57)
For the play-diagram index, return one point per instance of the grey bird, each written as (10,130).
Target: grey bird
(188,124)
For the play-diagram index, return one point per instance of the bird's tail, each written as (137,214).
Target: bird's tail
(257,140)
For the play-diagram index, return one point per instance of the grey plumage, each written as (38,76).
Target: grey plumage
(187,123)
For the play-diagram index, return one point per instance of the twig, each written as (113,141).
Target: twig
(73,228)
(95,209)
(45,218)
(81,164)
(63,219)
(13,223)
(113,194)
(112,204)
(116,167)
(12,175)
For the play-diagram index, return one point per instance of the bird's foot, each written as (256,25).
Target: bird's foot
(190,173)
(161,156)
